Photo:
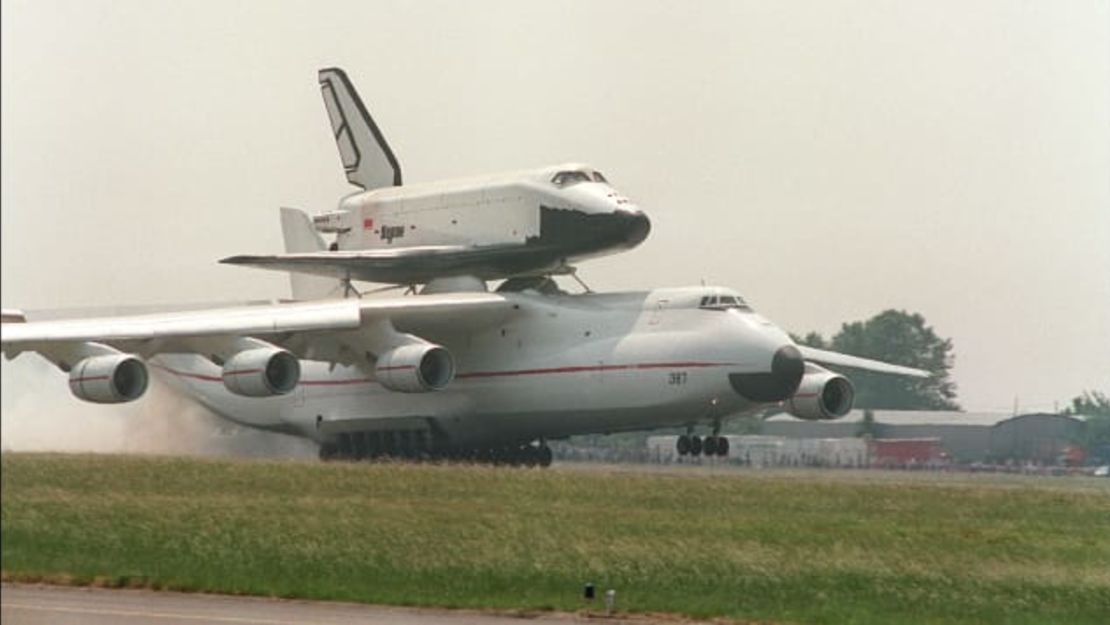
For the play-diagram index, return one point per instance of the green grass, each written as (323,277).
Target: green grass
(791,547)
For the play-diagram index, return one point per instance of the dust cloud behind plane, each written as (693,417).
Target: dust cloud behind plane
(39,418)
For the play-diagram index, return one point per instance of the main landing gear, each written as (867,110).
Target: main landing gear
(713,445)
(416,446)
(515,455)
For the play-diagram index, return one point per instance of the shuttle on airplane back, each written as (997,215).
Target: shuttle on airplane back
(530,223)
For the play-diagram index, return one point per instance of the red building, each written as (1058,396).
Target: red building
(905,452)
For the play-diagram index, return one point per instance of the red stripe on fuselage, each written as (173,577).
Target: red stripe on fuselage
(336,382)
(592,368)
(242,372)
(488,374)
(89,379)
(188,374)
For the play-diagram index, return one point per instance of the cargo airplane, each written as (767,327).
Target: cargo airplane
(470,375)
(455,371)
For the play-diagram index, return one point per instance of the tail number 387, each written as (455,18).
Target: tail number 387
(676,378)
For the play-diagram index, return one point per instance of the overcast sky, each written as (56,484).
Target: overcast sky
(828,159)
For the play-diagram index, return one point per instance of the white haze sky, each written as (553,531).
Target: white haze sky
(828,159)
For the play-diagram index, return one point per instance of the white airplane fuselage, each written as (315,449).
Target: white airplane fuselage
(565,365)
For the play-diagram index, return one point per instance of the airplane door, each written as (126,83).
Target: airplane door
(657,312)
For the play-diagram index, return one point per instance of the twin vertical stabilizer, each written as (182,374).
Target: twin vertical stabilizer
(300,238)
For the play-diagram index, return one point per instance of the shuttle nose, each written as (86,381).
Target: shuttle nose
(582,232)
(635,225)
(787,368)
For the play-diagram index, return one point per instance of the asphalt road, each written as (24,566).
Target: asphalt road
(56,605)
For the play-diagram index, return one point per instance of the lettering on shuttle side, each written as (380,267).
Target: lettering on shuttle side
(392,232)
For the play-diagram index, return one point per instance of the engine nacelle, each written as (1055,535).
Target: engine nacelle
(109,379)
(821,395)
(415,368)
(262,372)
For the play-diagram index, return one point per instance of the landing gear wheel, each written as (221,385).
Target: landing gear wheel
(328,451)
(695,446)
(545,456)
(683,445)
(710,446)
(722,446)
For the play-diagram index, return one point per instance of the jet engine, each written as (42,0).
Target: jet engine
(415,368)
(262,372)
(821,395)
(109,379)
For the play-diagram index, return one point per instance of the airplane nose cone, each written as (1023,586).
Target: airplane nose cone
(787,368)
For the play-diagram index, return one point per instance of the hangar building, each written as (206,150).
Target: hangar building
(965,436)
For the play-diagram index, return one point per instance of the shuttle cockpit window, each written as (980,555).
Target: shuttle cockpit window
(724,302)
(599,178)
(567,178)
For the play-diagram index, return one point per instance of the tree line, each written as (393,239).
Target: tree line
(901,338)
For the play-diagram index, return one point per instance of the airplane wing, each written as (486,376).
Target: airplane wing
(855,362)
(339,331)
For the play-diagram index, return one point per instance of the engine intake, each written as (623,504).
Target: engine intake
(262,372)
(415,368)
(821,395)
(109,379)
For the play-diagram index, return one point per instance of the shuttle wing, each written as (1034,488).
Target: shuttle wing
(835,359)
(411,265)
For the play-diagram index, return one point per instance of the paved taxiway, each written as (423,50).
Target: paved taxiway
(55,605)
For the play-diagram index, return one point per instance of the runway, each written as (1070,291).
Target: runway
(59,605)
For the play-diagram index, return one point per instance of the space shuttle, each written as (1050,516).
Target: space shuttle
(512,225)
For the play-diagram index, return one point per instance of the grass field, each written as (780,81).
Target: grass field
(789,547)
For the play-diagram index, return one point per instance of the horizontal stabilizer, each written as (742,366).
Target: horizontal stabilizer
(12,315)
(300,238)
(855,362)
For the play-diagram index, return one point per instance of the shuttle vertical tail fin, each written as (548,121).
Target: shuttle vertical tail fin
(300,236)
(367,158)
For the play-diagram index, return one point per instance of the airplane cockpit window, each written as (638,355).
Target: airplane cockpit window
(599,178)
(724,302)
(567,178)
